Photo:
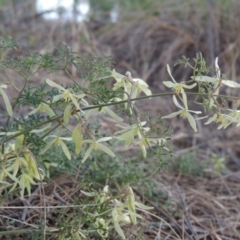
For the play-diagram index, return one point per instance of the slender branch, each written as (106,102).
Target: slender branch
(110,104)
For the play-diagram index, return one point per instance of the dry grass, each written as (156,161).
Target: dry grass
(192,208)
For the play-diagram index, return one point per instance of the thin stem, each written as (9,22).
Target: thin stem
(109,104)
(71,77)
(5,70)
(46,134)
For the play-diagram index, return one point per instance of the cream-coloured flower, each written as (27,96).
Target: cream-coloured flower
(97,145)
(128,133)
(136,86)
(58,141)
(25,181)
(43,107)
(177,87)
(132,86)
(150,141)
(217,81)
(184,113)
(125,212)
(102,227)
(224,119)
(118,215)
(66,94)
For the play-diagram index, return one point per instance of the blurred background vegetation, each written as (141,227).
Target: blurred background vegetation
(141,35)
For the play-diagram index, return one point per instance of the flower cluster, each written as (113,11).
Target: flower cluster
(216,82)
(178,88)
(123,212)
(50,125)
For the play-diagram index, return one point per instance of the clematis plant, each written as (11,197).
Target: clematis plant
(184,113)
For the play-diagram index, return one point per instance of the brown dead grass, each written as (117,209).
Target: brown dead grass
(192,208)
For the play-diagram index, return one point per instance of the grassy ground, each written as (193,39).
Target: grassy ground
(194,198)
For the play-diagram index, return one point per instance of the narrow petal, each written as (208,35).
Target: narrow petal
(57,97)
(79,96)
(53,84)
(88,141)
(34,111)
(105,149)
(192,122)
(104,139)
(89,194)
(189,86)
(74,102)
(197,112)
(147,91)
(112,114)
(217,69)
(78,145)
(184,99)
(142,206)
(133,92)
(169,72)
(169,84)
(143,150)
(119,230)
(117,76)
(48,110)
(206,79)
(173,114)
(230,83)
(87,153)
(140,82)
(211,119)
(176,102)
(65,150)
(67,113)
